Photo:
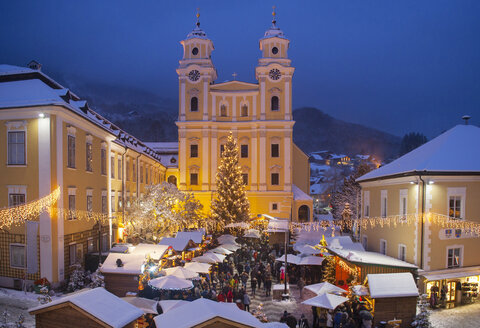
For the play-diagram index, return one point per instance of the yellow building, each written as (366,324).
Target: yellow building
(276,172)
(440,179)
(50,138)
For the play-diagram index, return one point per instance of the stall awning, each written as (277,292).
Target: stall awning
(451,273)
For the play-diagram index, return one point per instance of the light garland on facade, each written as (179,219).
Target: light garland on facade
(345,267)
(16,215)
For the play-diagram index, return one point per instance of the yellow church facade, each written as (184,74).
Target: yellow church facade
(275,171)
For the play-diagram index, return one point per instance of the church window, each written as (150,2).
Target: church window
(274,50)
(244,151)
(244,112)
(245,178)
(223,111)
(194,104)
(193,150)
(222,149)
(275,150)
(275,179)
(275,103)
(194,179)
(195,51)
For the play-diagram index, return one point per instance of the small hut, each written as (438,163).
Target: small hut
(87,308)
(393,295)
(121,271)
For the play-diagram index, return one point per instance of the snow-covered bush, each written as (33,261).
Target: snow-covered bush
(96,279)
(77,279)
(422,319)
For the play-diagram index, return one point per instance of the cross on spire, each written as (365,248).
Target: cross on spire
(234,76)
(274,20)
(198,17)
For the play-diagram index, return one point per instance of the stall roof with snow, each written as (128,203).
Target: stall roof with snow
(196,236)
(430,159)
(178,244)
(385,285)
(133,260)
(364,257)
(96,304)
(204,311)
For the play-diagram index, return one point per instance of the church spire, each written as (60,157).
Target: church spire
(198,18)
(197,32)
(274,31)
(274,20)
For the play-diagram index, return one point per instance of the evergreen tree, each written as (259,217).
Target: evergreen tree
(77,279)
(422,319)
(329,269)
(410,141)
(231,203)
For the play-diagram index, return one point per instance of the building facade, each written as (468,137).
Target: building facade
(438,181)
(275,171)
(51,139)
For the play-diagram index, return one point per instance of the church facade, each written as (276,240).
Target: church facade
(275,171)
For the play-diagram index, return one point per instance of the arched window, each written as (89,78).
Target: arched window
(194,104)
(244,112)
(223,111)
(275,103)
(303,213)
(172,179)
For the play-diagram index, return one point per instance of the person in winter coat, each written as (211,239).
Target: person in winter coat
(303,322)
(221,297)
(253,284)
(246,302)
(229,296)
(329,319)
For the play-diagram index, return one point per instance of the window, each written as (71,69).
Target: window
(275,179)
(16,199)
(402,252)
(105,246)
(244,111)
(112,200)
(245,178)
(76,253)
(366,203)
(193,150)
(222,149)
(275,103)
(112,167)
(16,148)
(403,204)
(383,246)
(454,207)
(274,206)
(141,173)
(454,257)
(17,255)
(119,198)
(275,150)
(127,168)
(244,151)
(383,203)
(119,169)
(89,203)
(71,152)
(146,175)
(364,242)
(194,179)
(71,206)
(104,204)
(223,111)
(134,172)
(91,247)
(172,179)
(194,104)
(103,159)
(89,157)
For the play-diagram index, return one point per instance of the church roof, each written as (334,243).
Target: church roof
(453,152)
(274,32)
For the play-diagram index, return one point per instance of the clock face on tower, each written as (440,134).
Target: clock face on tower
(274,74)
(194,75)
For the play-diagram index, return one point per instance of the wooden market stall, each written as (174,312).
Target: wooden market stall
(87,308)
(122,270)
(361,263)
(393,296)
(181,245)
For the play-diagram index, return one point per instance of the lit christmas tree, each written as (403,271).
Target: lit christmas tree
(231,203)
(329,269)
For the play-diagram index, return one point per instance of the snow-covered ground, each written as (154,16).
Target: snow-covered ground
(16,303)
(465,316)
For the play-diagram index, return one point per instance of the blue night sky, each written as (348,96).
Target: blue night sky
(399,66)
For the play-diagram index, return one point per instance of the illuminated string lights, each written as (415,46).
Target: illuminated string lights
(16,215)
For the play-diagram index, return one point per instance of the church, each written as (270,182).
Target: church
(275,171)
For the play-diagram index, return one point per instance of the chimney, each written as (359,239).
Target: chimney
(33,64)
(466,118)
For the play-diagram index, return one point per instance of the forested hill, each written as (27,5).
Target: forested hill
(315,130)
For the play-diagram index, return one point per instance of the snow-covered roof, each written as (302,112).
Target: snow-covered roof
(392,285)
(163,147)
(319,188)
(101,304)
(316,157)
(134,259)
(319,167)
(364,257)
(298,194)
(197,33)
(463,156)
(274,32)
(41,90)
(451,273)
(343,242)
(196,236)
(201,310)
(178,244)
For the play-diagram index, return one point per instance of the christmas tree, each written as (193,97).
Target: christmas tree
(329,269)
(231,203)
(422,319)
